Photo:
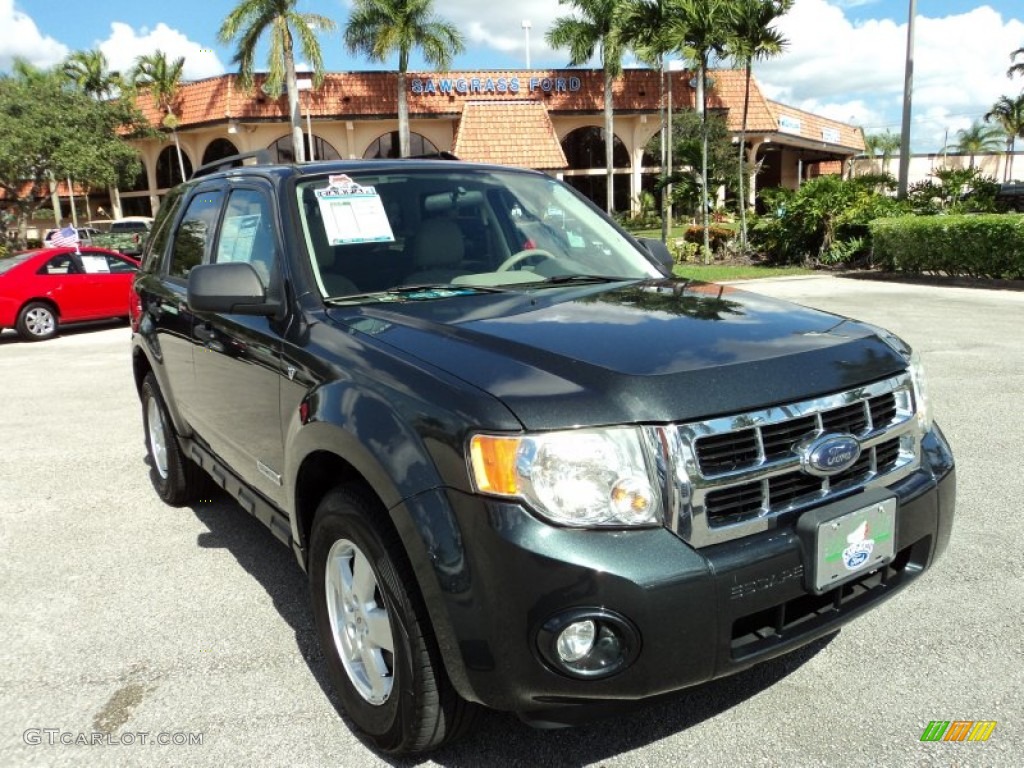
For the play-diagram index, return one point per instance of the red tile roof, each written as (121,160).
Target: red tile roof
(356,95)
(516,133)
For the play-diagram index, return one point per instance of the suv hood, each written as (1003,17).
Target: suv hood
(655,351)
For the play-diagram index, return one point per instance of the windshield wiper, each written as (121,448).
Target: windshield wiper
(396,292)
(571,279)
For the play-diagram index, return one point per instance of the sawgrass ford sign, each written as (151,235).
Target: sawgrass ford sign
(497,85)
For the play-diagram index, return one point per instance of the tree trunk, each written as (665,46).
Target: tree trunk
(703,97)
(609,141)
(743,153)
(298,145)
(181,160)
(58,216)
(403,117)
(664,149)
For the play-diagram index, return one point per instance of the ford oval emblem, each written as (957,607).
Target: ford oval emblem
(829,454)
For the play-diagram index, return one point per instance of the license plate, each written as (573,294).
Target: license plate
(854,543)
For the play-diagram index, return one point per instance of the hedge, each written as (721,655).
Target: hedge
(987,245)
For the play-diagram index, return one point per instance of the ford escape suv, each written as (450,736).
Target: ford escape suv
(523,466)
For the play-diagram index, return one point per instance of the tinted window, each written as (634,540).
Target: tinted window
(157,245)
(59,265)
(195,233)
(246,234)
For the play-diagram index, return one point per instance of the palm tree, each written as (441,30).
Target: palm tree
(596,27)
(978,139)
(1009,114)
(754,37)
(884,144)
(1017,67)
(702,28)
(380,28)
(162,77)
(248,21)
(88,71)
(643,25)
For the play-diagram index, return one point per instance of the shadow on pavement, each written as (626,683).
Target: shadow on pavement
(499,738)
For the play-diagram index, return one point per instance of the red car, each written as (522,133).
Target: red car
(44,288)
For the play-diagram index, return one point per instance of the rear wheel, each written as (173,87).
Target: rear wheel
(374,631)
(37,321)
(176,478)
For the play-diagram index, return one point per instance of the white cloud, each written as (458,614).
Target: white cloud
(125,45)
(501,29)
(21,38)
(832,63)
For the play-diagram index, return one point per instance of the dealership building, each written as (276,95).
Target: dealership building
(550,120)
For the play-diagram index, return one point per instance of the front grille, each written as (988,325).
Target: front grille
(745,470)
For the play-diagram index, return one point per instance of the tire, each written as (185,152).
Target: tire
(37,321)
(364,600)
(177,479)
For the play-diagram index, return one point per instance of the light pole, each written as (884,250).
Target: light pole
(526,31)
(908,88)
(305,83)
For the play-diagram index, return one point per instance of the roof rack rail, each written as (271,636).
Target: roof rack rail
(441,154)
(259,157)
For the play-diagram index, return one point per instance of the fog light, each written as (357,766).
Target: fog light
(588,643)
(576,640)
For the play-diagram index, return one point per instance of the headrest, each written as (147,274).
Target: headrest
(438,244)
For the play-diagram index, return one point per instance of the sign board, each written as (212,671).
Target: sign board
(789,124)
(830,135)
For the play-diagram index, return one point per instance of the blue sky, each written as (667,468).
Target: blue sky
(845,57)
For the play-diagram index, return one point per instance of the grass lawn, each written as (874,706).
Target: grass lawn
(718,272)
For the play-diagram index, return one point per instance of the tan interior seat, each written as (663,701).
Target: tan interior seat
(437,253)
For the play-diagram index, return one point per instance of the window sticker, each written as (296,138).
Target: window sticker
(353,214)
(95,265)
(236,237)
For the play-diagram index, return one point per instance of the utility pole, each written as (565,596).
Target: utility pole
(908,87)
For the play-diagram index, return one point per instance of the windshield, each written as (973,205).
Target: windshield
(444,226)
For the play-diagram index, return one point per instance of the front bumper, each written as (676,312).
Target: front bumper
(493,575)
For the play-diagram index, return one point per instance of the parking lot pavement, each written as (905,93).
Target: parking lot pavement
(123,616)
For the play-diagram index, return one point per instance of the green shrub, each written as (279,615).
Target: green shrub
(986,245)
(718,236)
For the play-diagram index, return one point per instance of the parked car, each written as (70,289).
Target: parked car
(124,235)
(43,289)
(85,235)
(523,466)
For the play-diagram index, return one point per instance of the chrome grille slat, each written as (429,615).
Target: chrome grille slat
(743,471)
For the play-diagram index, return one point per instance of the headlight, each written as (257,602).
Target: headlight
(922,403)
(584,477)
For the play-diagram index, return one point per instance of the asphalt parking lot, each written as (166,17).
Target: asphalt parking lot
(120,615)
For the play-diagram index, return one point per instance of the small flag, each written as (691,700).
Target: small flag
(65,238)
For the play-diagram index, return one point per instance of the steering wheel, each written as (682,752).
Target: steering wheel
(516,259)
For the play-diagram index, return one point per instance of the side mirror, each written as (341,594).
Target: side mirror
(660,252)
(233,289)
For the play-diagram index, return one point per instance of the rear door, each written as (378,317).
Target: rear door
(167,319)
(238,357)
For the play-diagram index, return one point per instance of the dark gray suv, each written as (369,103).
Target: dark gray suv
(523,466)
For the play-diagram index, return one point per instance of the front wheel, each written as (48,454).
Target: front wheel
(37,322)
(374,631)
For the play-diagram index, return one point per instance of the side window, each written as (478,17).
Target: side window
(59,265)
(156,246)
(247,233)
(194,233)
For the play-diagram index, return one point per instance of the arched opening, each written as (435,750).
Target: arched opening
(386,146)
(584,151)
(141,182)
(282,150)
(168,172)
(218,149)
